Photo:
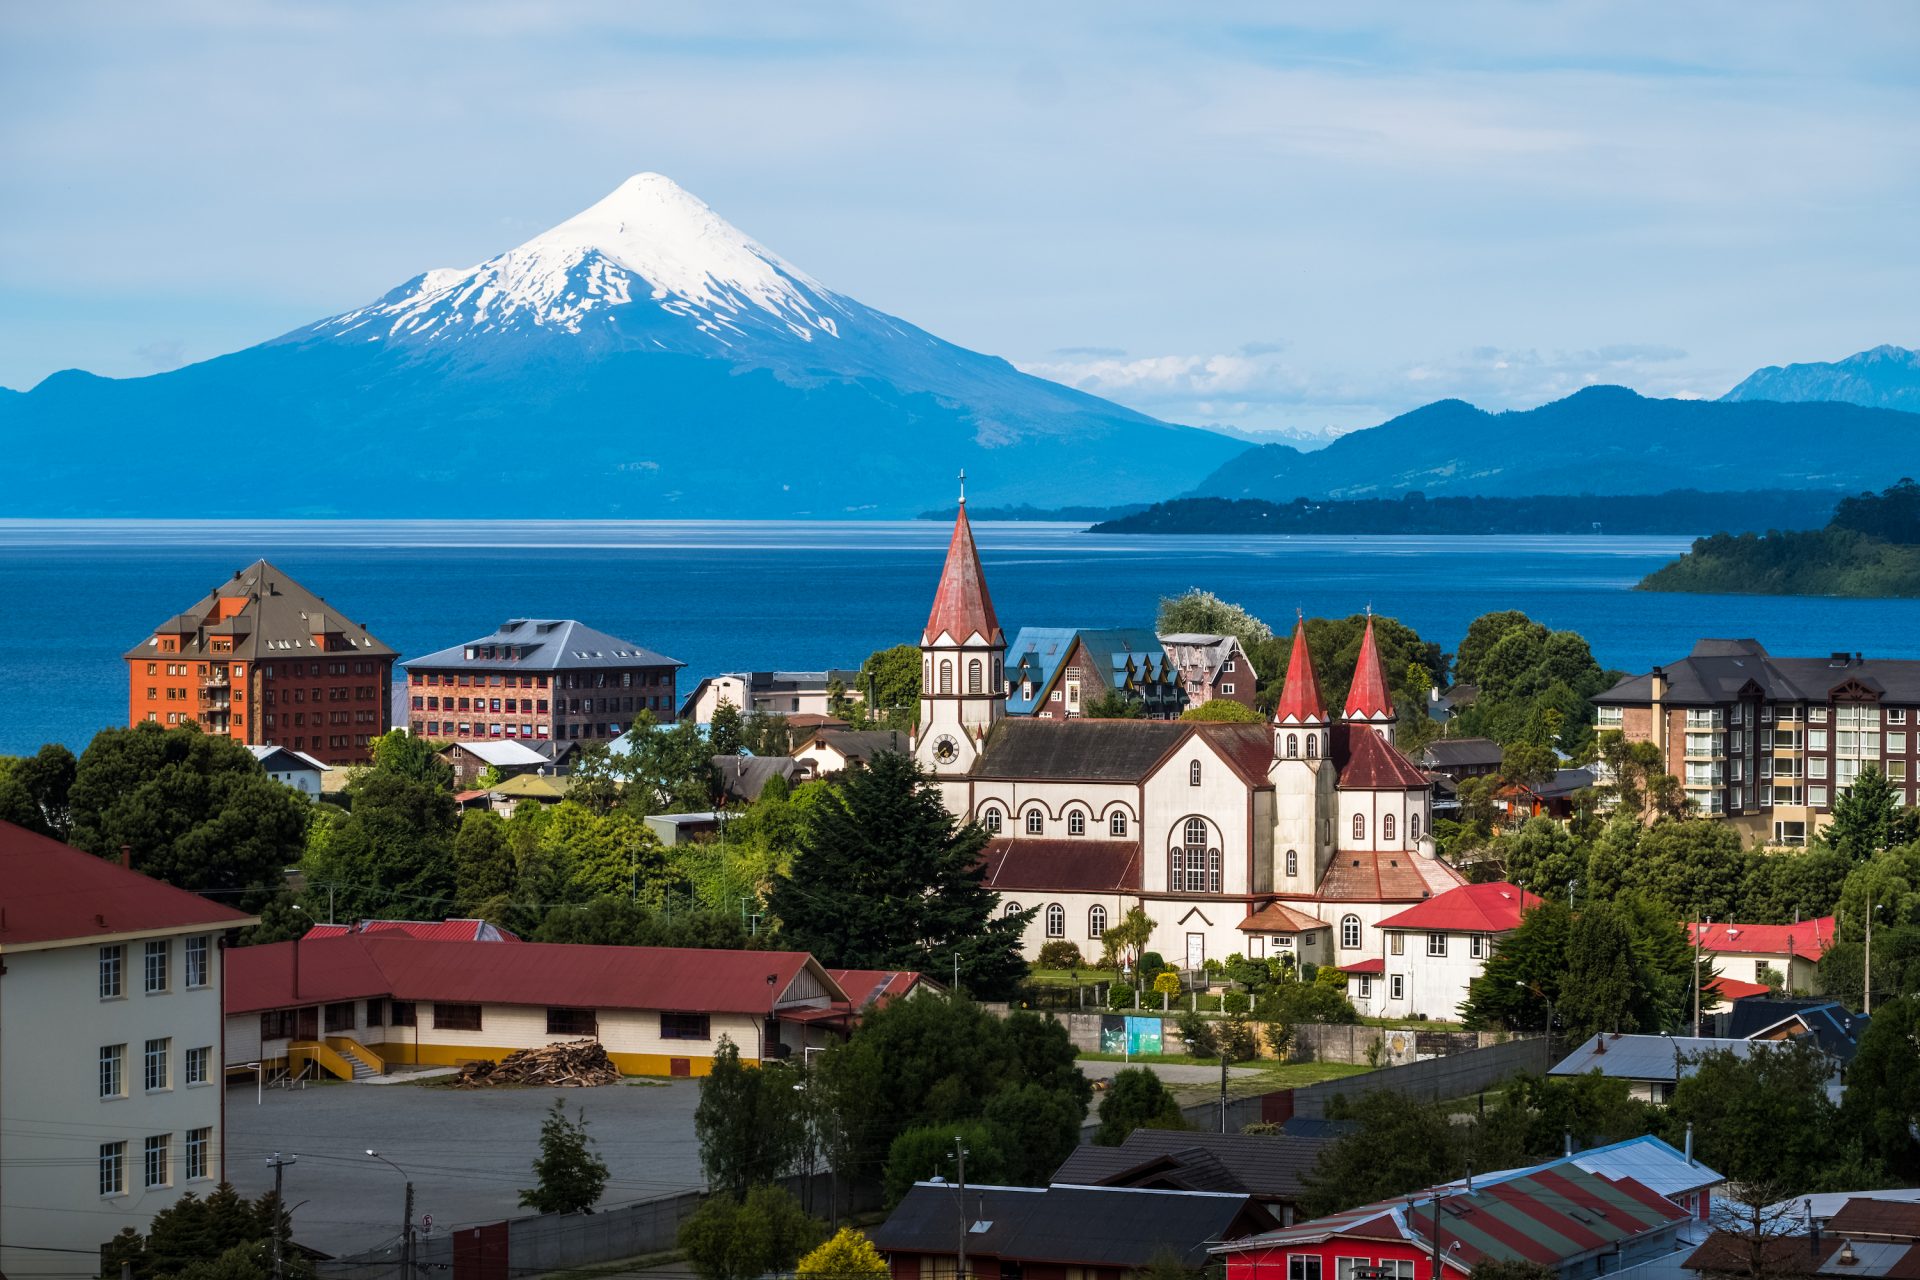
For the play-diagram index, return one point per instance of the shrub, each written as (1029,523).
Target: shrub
(1198,1033)
(1119,996)
(1168,983)
(1152,962)
(1279,1039)
(1235,1002)
(1060,954)
(1236,1040)
(1137,1100)
(849,1254)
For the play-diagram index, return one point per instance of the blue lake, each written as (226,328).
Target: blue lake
(756,595)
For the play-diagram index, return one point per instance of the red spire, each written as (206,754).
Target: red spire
(1368,699)
(962,607)
(1300,696)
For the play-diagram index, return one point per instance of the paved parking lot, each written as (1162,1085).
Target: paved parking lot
(469,1152)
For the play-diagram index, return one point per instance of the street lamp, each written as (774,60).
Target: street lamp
(406,1223)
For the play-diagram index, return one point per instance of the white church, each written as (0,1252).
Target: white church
(1300,836)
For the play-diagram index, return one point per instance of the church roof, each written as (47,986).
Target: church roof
(1278,917)
(1300,701)
(1367,762)
(1081,750)
(1369,875)
(1368,698)
(961,605)
(1062,866)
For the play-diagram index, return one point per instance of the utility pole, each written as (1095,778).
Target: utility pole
(406,1244)
(1697,930)
(278,1164)
(1223,1091)
(1866,969)
(960,1156)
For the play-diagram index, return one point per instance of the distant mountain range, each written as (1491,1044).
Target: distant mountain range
(642,359)
(1597,441)
(1886,377)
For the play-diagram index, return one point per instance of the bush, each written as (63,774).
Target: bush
(1137,1100)
(1198,1033)
(727,1239)
(1279,1038)
(1168,983)
(1236,1040)
(1119,996)
(1152,962)
(1060,954)
(849,1254)
(1235,1002)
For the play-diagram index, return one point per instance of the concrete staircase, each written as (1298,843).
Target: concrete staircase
(361,1067)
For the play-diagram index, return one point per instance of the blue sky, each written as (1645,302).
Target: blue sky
(1282,217)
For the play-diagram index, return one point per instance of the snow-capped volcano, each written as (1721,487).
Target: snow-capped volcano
(650,242)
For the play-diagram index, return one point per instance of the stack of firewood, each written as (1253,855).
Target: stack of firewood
(574,1065)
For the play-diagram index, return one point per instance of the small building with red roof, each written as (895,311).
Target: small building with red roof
(110,1036)
(365,1002)
(1430,953)
(1752,951)
(434,930)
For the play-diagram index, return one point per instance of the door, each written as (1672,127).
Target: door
(309,1024)
(1196,951)
(1073,697)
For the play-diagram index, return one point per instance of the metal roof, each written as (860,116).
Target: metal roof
(543,644)
(1108,1227)
(1718,670)
(51,893)
(1638,1057)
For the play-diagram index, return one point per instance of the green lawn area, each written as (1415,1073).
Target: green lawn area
(1273,1075)
(1064,977)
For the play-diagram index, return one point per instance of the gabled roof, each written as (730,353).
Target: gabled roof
(544,644)
(1278,917)
(858,744)
(961,605)
(532,786)
(1368,698)
(1127,656)
(1373,875)
(1461,753)
(501,754)
(51,893)
(1205,649)
(277,757)
(1025,748)
(1830,1024)
(1035,657)
(1649,1161)
(1365,967)
(745,777)
(434,930)
(1367,762)
(264,614)
(1717,671)
(1808,939)
(1300,701)
(1061,865)
(1472,908)
(673,979)
(1121,1228)
(875,987)
(1638,1057)
(1264,1165)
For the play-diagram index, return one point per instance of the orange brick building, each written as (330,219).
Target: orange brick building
(264,661)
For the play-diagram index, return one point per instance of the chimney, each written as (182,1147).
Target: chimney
(1566,1138)
(1657,696)
(1689,1147)
(126,856)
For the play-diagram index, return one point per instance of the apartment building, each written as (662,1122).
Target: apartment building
(539,679)
(262,660)
(110,1051)
(1770,743)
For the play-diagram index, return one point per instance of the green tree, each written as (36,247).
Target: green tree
(1136,1100)
(749,1122)
(197,811)
(1640,783)
(1206,613)
(1038,1128)
(1122,942)
(1868,819)
(890,682)
(1114,704)
(1695,866)
(1541,855)
(1525,972)
(1601,990)
(1881,1108)
(1399,1146)
(1787,885)
(1223,711)
(927,1151)
(35,790)
(393,849)
(570,1176)
(483,867)
(847,1256)
(1528,764)
(666,769)
(886,879)
(723,734)
(619,922)
(1765,1118)
(729,1239)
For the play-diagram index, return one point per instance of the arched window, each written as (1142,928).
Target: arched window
(946,675)
(1197,831)
(1413,827)
(1036,822)
(996,676)
(1012,909)
(1117,824)
(991,820)
(1056,920)
(1076,823)
(1359,827)
(1313,746)
(1350,933)
(1386,829)
(1293,863)
(1293,745)
(1213,870)
(1176,870)
(1096,921)
(973,676)
(1193,773)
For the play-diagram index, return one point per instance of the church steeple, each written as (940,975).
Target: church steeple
(1300,701)
(961,606)
(1368,700)
(962,693)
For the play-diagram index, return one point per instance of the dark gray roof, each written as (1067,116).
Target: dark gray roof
(1456,753)
(745,777)
(1565,782)
(1718,670)
(1075,1226)
(864,744)
(279,620)
(1828,1022)
(545,644)
(1267,1166)
(1089,750)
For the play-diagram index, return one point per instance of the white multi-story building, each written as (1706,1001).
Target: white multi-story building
(110,1051)
(1431,953)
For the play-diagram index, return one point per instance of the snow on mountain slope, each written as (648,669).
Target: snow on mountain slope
(649,242)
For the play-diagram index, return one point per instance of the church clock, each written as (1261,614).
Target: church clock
(946,749)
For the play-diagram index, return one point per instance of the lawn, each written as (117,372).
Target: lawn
(1065,977)
(1273,1074)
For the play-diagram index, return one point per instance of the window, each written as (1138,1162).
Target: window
(1396,944)
(157,966)
(1436,944)
(1117,824)
(1036,822)
(401,1013)
(1386,828)
(946,675)
(1359,827)
(456,1017)
(156,1154)
(1344,1268)
(1397,987)
(684,1026)
(1193,773)
(1349,933)
(1056,920)
(1896,715)
(1293,745)
(200,1065)
(1096,921)
(197,967)
(1227,687)
(113,1168)
(973,676)
(1609,717)
(572,1022)
(1012,909)
(340,1017)
(1293,862)
(198,1143)
(991,820)
(1479,945)
(1176,869)
(1897,743)
(158,1052)
(1413,827)
(1302,1266)
(1313,746)
(277,1024)
(376,1013)
(1076,823)
(113,963)
(113,1066)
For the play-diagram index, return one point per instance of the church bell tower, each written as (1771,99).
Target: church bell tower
(961,655)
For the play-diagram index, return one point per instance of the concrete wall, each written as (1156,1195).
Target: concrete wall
(1312,1042)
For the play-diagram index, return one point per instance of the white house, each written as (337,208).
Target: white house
(772,693)
(1432,952)
(291,768)
(110,1052)
(1209,826)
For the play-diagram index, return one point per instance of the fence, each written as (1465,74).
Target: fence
(552,1242)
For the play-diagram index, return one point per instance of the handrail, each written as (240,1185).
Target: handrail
(348,1045)
(317,1052)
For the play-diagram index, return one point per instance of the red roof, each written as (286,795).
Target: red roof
(1300,701)
(51,892)
(676,979)
(1368,698)
(1278,917)
(1472,908)
(1062,865)
(1369,875)
(1808,939)
(1365,967)
(1731,989)
(961,606)
(433,930)
(874,986)
(1367,762)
